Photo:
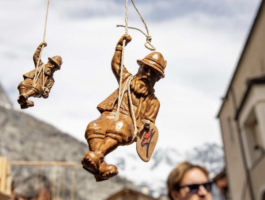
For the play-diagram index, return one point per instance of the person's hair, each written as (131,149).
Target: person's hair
(177,174)
(32,185)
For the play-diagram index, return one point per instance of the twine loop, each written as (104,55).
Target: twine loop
(148,42)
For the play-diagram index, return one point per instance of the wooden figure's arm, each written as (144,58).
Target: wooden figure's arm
(116,60)
(37,54)
(152,111)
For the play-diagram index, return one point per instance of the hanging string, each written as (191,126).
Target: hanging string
(131,108)
(46,19)
(141,17)
(127,86)
(41,69)
(147,44)
(122,60)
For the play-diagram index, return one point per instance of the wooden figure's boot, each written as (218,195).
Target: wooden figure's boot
(23,97)
(27,104)
(107,171)
(92,161)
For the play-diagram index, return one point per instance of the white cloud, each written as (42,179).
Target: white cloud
(158,10)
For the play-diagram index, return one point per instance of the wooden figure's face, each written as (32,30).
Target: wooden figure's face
(148,74)
(50,68)
(144,81)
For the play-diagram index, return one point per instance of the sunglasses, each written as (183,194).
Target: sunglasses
(194,188)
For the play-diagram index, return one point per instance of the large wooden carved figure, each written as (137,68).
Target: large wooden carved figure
(137,113)
(38,82)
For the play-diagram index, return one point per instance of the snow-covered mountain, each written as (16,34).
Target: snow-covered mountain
(209,155)
(151,177)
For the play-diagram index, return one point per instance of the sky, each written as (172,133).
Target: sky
(201,40)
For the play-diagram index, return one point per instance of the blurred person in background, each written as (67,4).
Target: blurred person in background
(189,182)
(35,187)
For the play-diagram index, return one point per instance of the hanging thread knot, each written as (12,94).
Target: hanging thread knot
(149,38)
(148,44)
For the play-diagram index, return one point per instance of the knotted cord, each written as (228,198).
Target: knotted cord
(41,68)
(147,35)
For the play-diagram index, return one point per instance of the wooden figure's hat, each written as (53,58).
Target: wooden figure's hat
(156,61)
(56,60)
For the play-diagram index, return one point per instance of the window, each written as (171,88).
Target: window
(253,140)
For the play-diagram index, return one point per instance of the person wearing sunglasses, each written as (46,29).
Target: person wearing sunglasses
(189,182)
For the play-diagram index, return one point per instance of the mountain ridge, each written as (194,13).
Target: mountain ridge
(25,138)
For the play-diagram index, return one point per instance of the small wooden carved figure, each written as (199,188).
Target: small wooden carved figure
(38,82)
(105,134)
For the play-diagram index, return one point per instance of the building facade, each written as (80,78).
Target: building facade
(242,118)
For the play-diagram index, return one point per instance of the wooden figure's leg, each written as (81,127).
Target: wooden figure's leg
(94,143)
(95,135)
(108,145)
(22,99)
(30,93)
(23,90)
(107,171)
(96,130)
(119,133)
(26,90)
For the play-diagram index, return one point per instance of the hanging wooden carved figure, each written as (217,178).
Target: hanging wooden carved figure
(105,134)
(129,113)
(38,82)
